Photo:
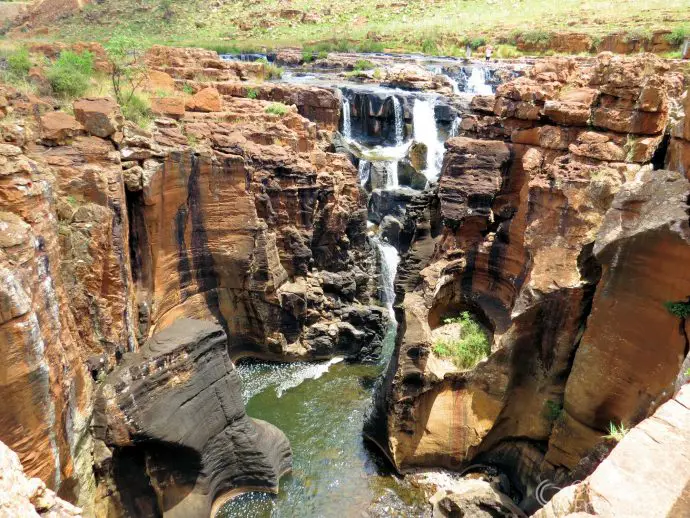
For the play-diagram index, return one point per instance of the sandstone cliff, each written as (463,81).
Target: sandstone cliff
(550,226)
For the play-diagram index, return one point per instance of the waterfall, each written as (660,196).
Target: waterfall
(455,127)
(364,169)
(347,121)
(389,266)
(399,121)
(392,174)
(426,132)
(476,84)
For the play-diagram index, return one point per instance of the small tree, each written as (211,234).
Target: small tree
(127,68)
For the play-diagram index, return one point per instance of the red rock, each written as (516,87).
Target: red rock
(206,100)
(99,116)
(158,81)
(59,127)
(173,107)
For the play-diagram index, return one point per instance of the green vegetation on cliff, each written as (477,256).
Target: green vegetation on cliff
(441,27)
(467,347)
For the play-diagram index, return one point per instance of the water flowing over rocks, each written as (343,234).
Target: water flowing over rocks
(138,264)
(147,411)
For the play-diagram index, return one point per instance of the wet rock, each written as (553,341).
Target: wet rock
(151,403)
(418,155)
(390,228)
(410,176)
(389,202)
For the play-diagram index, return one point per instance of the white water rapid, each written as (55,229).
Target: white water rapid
(476,83)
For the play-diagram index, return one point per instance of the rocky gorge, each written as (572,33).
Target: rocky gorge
(151,276)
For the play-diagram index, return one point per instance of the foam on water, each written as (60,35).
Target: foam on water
(426,132)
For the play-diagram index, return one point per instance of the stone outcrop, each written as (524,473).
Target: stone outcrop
(267,235)
(21,496)
(678,154)
(163,462)
(646,474)
(546,212)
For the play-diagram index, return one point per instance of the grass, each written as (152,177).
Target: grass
(616,432)
(442,27)
(467,350)
(70,74)
(277,109)
(252,93)
(553,410)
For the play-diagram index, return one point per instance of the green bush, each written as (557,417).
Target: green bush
(137,109)
(678,35)
(678,309)
(322,55)
(477,42)
(70,74)
(252,93)
(363,64)
(536,37)
(468,350)
(188,89)
(552,410)
(365,46)
(277,109)
(19,63)
(507,52)
(307,56)
(429,46)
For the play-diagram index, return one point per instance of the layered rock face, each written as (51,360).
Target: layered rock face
(550,227)
(261,231)
(647,474)
(163,461)
(678,154)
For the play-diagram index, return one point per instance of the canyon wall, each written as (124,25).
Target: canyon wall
(550,225)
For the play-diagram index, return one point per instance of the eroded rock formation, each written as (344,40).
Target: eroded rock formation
(164,461)
(547,217)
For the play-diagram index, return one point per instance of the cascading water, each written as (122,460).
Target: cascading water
(426,132)
(389,260)
(347,119)
(364,169)
(392,174)
(476,83)
(399,121)
(455,127)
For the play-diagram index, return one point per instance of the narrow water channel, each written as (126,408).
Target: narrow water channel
(321,406)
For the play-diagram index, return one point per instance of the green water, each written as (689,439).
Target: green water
(334,473)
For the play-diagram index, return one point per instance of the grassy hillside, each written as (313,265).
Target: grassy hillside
(438,26)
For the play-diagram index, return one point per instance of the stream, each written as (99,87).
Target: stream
(321,406)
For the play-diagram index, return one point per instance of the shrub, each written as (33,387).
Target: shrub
(536,37)
(468,350)
(252,93)
(429,46)
(678,309)
(553,410)
(363,64)
(365,46)
(272,71)
(127,69)
(136,109)
(678,35)
(307,56)
(19,63)
(477,42)
(616,433)
(277,109)
(188,89)
(507,52)
(322,55)
(70,74)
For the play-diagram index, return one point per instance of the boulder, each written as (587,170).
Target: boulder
(59,128)
(475,499)
(418,155)
(100,117)
(206,100)
(151,404)
(173,107)
(158,81)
